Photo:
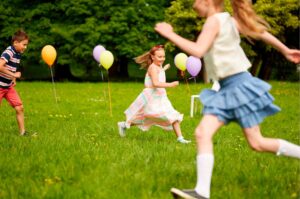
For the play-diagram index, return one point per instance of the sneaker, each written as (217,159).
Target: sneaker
(183,141)
(122,128)
(25,134)
(186,193)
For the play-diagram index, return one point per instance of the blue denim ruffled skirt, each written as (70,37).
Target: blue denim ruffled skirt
(242,98)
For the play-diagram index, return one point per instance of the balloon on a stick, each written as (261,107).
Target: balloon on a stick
(49,55)
(97,52)
(193,65)
(180,61)
(106,59)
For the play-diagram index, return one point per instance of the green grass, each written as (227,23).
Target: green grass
(79,154)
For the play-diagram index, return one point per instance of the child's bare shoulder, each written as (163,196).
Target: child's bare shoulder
(153,67)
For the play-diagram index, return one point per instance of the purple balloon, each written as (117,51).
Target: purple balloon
(97,52)
(193,65)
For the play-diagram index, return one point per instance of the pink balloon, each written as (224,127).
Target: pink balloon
(193,65)
(97,52)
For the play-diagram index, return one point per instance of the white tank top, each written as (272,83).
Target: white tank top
(225,57)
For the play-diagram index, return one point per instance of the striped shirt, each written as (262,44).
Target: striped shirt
(12,59)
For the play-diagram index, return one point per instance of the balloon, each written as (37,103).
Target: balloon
(106,59)
(193,65)
(180,61)
(49,55)
(97,52)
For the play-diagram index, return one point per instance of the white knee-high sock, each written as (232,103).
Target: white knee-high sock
(288,149)
(205,164)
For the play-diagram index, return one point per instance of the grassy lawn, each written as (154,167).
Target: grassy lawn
(78,153)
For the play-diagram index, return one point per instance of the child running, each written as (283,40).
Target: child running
(241,98)
(152,106)
(9,62)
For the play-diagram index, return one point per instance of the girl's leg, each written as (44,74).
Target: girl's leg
(20,118)
(205,158)
(259,143)
(177,130)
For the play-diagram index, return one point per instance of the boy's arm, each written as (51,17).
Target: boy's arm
(14,81)
(7,72)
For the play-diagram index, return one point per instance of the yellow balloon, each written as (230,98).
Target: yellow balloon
(49,55)
(180,61)
(106,59)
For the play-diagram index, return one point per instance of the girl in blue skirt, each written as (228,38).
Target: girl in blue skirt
(241,97)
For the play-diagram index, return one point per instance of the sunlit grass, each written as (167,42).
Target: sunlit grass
(78,153)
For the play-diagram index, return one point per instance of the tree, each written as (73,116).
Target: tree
(74,28)
(284,21)
(125,27)
(281,15)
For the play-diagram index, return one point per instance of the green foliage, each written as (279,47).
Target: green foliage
(78,152)
(183,19)
(125,28)
(74,28)
(282,16)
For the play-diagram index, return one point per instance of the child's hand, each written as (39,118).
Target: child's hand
(166,67)
(163,28)
(17,74)
(293,55)
(182,73)
(14,81)
(174,84)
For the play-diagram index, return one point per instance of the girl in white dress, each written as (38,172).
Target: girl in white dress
(152,106)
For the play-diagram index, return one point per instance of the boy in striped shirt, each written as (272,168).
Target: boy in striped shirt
(9,63)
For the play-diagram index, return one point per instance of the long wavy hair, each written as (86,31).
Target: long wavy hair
(250,23)
(145,59)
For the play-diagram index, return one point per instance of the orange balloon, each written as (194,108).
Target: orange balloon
(49,55)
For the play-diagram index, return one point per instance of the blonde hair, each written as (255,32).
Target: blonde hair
(145,59)
(250,23)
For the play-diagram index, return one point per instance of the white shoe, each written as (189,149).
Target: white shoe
(122,128)
(183,141)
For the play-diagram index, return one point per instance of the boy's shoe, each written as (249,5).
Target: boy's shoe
(183,141)
(122,128)
(186,193)
(25,134)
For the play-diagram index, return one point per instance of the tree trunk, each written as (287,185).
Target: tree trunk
(266,68)
(255,65)
(62,72)
(204,74)
(122,67)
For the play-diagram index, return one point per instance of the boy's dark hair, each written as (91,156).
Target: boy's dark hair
(19,36)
